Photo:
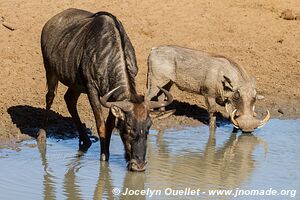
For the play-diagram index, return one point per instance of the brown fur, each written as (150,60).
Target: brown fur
(141,111)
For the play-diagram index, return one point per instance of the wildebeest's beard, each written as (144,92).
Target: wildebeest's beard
(134,133)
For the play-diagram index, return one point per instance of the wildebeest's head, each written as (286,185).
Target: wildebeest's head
(240,103)
(134,123)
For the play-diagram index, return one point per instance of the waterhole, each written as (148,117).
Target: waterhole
(180,163)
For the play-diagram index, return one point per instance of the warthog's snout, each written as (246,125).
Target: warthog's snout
(247,123)
(136,166)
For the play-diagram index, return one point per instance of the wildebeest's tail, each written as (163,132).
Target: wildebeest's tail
(128,50)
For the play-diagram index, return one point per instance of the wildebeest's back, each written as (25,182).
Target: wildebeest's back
(84,48)
(62,47)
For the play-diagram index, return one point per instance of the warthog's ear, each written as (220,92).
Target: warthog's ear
(117,112)
(227,84)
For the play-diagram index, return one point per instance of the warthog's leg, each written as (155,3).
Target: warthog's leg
(71,98)
(100,122)
(110,124)
(211,107)
(52,82)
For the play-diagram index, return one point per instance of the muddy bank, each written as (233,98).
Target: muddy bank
(27,119)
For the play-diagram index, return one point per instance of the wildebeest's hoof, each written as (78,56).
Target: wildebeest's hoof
(41,136)
(103,157)
(84,145)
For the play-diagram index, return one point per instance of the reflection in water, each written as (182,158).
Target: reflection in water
(103,188)
(224,167)
(104,183)
(71,188)
(176,159)
(48,182)
(133,181)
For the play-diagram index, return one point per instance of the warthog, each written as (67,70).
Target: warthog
(92,54)
(220,80)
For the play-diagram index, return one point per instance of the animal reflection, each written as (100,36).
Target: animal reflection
(225,167)
(48,182)
(103,188)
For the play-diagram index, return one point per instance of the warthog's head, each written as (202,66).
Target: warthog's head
(134,123)
(240,103)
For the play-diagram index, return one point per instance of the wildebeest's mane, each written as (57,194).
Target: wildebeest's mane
(130,60)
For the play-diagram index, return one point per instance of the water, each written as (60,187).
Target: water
(177,160)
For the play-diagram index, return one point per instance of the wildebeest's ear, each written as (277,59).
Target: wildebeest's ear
(117,112)
(227,84)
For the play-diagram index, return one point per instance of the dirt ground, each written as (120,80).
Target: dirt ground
(250,32)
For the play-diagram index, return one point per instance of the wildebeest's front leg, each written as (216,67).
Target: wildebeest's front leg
(71,98)
(109,126)
(94,99)
(211,107)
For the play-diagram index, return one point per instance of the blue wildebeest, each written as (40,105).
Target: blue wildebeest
(220,80)
(92,54)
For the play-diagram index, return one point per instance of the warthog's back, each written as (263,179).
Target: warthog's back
(192,70)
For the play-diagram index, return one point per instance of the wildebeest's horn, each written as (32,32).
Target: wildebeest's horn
(159,104)
(124,105)
(234,122)
(265,120)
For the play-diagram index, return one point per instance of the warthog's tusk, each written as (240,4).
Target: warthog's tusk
(265,120)
(234,122)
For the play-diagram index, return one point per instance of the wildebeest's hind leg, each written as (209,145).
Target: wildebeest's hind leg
(211,107)
(52,82)
(94,99)
(71,98)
